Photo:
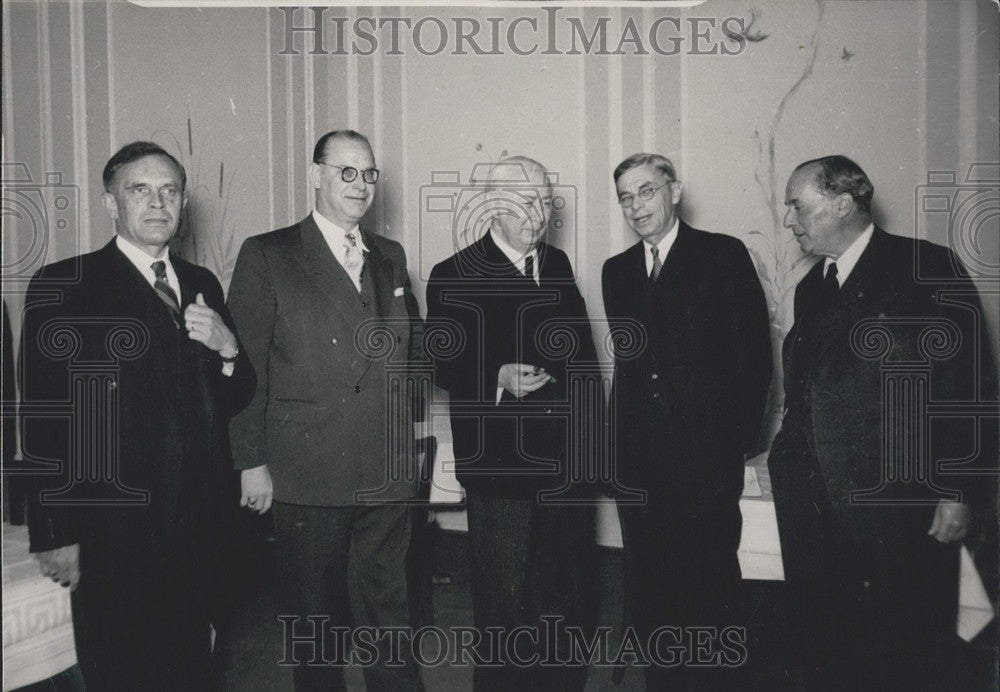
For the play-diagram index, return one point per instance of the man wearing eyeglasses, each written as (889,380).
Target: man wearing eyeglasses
(332,325)
(687,409)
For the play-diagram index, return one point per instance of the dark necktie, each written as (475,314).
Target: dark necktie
(163,290)
(830,285)
(657,264)
(529,267)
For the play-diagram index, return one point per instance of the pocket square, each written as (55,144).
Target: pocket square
(398,292)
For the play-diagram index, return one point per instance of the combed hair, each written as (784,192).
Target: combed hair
(838,175)
(661,163)
(133,152)
(319,151)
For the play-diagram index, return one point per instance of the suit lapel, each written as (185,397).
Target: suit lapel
(323,269)
(379,267)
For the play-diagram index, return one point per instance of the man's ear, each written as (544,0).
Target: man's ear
(110,205)
(845,205)
(315,176)
(676,188)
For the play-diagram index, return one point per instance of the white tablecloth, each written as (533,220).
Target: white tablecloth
(37,622)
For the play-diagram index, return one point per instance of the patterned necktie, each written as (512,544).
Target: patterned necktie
(529,267)
(163,290)
(657,264)
(354,261)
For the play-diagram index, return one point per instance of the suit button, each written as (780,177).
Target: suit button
(656,395)
(333,341)
(357,389)
(654,376)
(112,385)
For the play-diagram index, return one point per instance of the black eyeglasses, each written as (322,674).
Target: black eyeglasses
(645,194)
(349,173)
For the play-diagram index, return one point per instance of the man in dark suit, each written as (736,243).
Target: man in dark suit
(687,402)
(521,337)
(130,368)
(329,320)
(870,517)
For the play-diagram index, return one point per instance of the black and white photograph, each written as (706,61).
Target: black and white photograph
(500,345)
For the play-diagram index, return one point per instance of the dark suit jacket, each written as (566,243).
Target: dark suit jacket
(889,317)
(332,416)
(495,315)
(146,397)
(690,388)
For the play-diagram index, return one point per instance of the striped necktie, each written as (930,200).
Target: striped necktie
(163,290)
(657,264)
(529,267)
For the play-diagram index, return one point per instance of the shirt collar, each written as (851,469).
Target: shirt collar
(143,261)
(666,242)
(516,258)
(849,257)
(334,234)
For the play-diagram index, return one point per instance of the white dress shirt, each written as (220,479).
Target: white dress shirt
(666,242)
(143,261)
(849,257)
(518,260)
(336,237)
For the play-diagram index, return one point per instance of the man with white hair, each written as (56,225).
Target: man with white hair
(514,300)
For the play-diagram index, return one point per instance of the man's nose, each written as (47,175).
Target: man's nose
(788,221)
(156,199)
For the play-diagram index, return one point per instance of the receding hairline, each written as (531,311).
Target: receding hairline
(528,164)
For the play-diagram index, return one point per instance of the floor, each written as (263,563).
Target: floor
(255,642)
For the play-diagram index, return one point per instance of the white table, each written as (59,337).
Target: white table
(37,621)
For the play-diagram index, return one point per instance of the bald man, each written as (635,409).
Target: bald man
(509,294)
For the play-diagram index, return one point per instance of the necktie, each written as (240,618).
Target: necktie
(830,285)
(529,267)
(657,264)
(163,290)
(354,260)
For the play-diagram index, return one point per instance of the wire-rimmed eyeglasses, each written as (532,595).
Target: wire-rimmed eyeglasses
(349,173)
(645,194)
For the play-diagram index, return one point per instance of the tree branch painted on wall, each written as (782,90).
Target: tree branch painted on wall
(779,260)
(205,236)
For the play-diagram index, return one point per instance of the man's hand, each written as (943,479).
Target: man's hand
(204,325)
(256,489)
(520,379)
(951,521)
(61,565)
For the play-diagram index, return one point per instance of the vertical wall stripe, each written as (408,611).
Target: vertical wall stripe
(919,228)
(289,139)
(413,248)
(44,91)
(582,228)
(648,90)
(685,123)
(352,79)
(270,117)
(614,221)
(309,115)
(81,162)
(968,45)
(8,91)
(377,85)
(110,58)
